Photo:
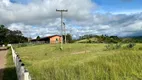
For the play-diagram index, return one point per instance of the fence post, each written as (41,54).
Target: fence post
(26,76)
(22,73)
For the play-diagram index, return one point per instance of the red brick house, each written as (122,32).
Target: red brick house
(50,39)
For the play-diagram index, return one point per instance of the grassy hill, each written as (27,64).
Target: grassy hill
(82,62)
(110,40)
(87,40)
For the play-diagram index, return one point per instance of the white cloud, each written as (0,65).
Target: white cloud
(4,3)
(33,31)
(38,13)
(39,17)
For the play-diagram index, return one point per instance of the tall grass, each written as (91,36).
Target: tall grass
(82,62)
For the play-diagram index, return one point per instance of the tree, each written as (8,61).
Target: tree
(8,36)
(69,38)
(38,37)
(3,34)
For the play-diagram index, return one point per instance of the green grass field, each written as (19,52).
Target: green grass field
(82,62)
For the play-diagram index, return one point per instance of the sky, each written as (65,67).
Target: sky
(39,17)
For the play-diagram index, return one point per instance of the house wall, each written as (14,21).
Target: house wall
(53,39)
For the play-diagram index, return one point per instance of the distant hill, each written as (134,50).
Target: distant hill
(87,40)
(109,39)
(137,39)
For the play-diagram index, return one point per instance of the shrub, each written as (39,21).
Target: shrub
(22,45)
(140,48)
(131,45)
(118,46)
(89,41)
(113,46)
(109,47)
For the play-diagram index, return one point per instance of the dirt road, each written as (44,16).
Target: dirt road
(3,53)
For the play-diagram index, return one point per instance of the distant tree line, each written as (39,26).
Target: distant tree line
(8,36)
(137,39)
(109,39)
(68,38)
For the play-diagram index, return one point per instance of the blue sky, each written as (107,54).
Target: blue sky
(21,1)
(118,5)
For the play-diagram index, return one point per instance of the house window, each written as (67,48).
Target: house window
(56,40)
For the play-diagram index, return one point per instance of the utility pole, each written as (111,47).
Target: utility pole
(65,32)
(61,47)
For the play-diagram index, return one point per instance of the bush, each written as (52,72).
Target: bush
(89,41)
(140,48)
(118,46)
(22,45)
(131,45)
(113,46)
(109,47)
